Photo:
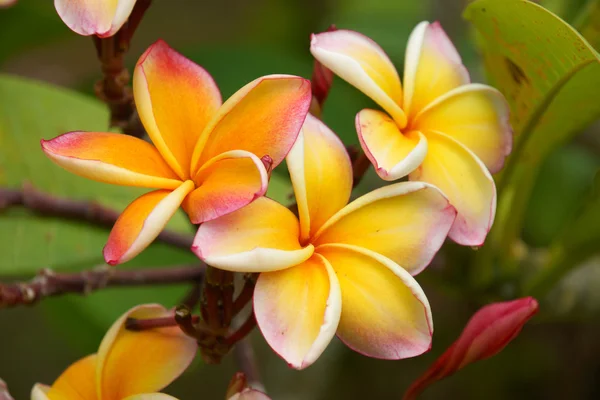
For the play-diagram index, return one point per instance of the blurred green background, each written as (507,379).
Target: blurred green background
(556,357)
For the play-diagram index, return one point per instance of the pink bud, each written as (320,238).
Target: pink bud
(488,331)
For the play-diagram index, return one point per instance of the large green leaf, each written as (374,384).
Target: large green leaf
(551,78)
(30,111)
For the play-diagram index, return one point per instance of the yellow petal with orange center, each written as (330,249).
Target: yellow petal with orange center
(385,313)
(263,118)
(432,67)
(361,62)
(298,310)
(94,17)
(78,382)
(175,99)
(393,153)
(111,158)
(406,222)
(475,115)
(263,236)
(321,173)
(142,221)
(226,183)
(132,363)
(463,178)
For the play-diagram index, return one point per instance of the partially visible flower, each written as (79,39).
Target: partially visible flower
(94,17)
(488,331)
(7,3)
(129,365)
(240,390)
(360,255)
(439,128)
(206,155)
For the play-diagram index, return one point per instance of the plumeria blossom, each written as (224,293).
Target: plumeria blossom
(439,128)
(361,255)
(488,331)
(94,17)
(205,155)
(128,365)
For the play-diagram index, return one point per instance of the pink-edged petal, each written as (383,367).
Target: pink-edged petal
(135,362)
(111,158)
(176,99)
(393,154)
(362,63)
(432,67)
(298,310)
(78,382)
(264,117)
(226,183)
(465,181)
(321,174)
(488,331)
(406,222)
(40,392)
(263,236)
(475,115)
(142,221)
(385,313)
(94,17)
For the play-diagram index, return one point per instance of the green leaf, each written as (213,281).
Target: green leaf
(550,76)
(30,111)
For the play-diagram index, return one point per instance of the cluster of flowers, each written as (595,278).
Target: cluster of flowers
(337,267)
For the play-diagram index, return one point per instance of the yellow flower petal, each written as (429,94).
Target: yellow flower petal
(463,178)
(78,382)
(111,158)
(475,115)
(321,173)
(142,221)
(175,99)
(263,236)
(385,313)
(406,222)
(362,63)
(298,310)
(225,184)
(393,153)
(131,363)
(264,118)
(94,17)
(432,67)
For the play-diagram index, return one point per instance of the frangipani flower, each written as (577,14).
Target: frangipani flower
(439,128)
(129,365)
(488,331)
(94,17)
(361,254)
(205,154)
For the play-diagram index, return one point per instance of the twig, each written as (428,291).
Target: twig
(48,283)
(50,206)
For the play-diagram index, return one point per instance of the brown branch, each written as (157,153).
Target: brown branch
(91,212)
(49,283)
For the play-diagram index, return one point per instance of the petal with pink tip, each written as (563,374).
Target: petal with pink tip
(130,363)
(385,313)
(40,391)
(142,221)
(78,382)
(466,182)
(264,117)
(432,67)
(298,310)
(94,17)
(226,183)
(406,222)
(176,99)
(111,158)
(475,115)
(321,173)
(392,153)
(361,62)
(263,236)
